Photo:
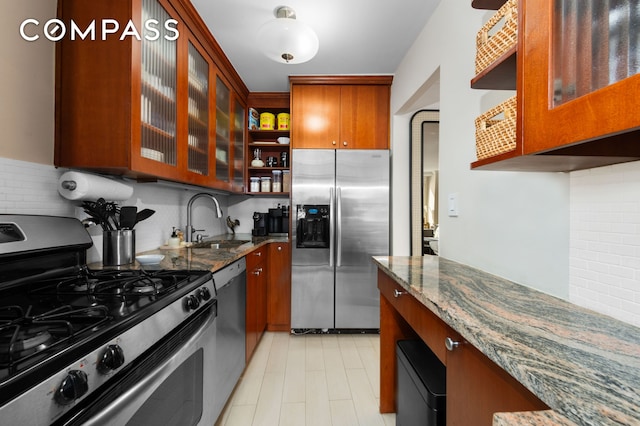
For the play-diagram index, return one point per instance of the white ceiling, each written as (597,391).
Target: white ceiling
(356,36)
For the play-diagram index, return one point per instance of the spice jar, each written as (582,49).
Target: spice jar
(265,184)
(276,182)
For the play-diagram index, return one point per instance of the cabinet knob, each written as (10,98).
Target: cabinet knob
(258,253)
(333,142)
(257,271)
(451,344)
(279,248)
(344,143)
(398,293)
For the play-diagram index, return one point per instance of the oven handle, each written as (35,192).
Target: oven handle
(121,409)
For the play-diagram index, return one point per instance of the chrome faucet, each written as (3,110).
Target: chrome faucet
(189,231)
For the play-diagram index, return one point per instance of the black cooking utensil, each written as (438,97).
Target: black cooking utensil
(144,214)
(128,215)
(98,213)
(111,211)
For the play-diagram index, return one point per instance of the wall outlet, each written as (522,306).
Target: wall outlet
(453,205)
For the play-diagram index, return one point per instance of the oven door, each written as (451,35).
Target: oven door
(168,385)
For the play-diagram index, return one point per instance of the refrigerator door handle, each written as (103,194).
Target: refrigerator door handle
(332,210)
(339,226)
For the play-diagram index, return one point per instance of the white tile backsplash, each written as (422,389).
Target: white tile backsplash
(31,188)
(604,266)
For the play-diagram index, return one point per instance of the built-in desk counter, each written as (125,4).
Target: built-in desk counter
(583,366)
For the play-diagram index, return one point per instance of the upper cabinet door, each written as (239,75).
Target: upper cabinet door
(364,113)
(223,130)
(338,112)
(238,132)
(580,79)
(159,88)
(198,114)
(315,115)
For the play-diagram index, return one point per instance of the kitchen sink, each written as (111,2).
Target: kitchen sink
(219,244)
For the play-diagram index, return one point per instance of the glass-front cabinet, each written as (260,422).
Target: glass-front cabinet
(580,77)
(198,114)
(238,138)
(164,105)
(158,100)
(223,130)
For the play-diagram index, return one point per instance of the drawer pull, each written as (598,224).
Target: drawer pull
(451,344)
(398,293)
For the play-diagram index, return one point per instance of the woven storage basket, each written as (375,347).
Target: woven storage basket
(496,135)
(491,47)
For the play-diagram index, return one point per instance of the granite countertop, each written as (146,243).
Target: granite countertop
(585,366)
(190,258)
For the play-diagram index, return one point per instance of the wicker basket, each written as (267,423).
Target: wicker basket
(491,47)
(496,130)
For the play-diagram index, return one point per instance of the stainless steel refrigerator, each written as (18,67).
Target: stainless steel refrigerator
(340,209)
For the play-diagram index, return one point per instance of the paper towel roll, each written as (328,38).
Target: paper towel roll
(83,186)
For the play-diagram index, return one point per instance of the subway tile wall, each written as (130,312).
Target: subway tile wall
(604,263)
(31,188)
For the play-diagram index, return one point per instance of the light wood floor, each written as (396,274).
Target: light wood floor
(324,380)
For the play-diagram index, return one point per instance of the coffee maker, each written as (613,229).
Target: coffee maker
(260,224)
(275,222)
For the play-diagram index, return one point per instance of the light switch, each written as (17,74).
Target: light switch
(453,204)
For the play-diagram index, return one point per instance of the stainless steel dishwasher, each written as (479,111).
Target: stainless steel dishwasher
(229,354)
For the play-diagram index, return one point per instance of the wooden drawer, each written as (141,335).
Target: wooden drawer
(431,329)
(256,257)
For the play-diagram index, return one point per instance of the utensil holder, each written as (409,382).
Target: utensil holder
(118,247)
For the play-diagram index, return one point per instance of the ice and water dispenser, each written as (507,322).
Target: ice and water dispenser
(312,226)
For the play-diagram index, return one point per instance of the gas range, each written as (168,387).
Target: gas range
(65,329)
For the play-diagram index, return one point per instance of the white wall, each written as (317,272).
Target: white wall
(26,84)
(515,225)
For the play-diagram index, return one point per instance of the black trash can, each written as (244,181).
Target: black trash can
(422,386)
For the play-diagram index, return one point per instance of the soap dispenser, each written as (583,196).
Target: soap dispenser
(174,241)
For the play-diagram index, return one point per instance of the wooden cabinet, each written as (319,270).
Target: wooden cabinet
(256,310)
(229,136)
(340,112)
(576,78)
(476,387)
(482,388)
(165,108)
(266,141)
(279,287)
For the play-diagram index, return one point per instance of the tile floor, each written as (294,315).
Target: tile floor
(324,380)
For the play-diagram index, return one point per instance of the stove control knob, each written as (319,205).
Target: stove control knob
(191,302)
(204,294)
(72,387)
(112,358)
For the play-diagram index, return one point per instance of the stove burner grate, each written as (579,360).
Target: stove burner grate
(24,335)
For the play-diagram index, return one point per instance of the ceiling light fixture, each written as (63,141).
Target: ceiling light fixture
(287,40)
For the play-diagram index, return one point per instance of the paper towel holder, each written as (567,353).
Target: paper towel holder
(69,184)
